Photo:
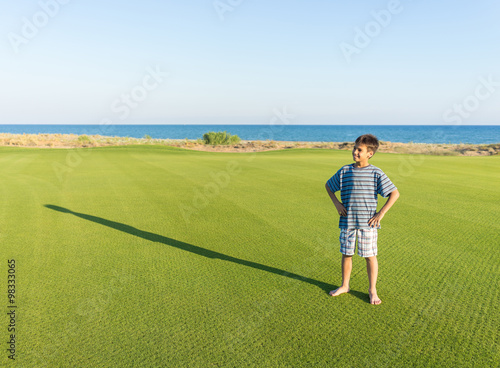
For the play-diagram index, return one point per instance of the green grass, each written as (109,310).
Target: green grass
(155,256)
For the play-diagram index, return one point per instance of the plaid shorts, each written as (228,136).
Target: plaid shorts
(367,242)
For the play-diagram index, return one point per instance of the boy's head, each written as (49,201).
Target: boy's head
(365,147)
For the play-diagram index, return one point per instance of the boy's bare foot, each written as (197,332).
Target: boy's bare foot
(340,290)
(374,299)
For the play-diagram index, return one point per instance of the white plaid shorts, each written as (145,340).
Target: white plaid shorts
(367,242)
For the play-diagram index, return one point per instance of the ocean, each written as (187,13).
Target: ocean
(473,134)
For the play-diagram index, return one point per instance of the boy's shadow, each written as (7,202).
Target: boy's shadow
(201,251)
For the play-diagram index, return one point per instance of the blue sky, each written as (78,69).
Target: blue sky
(235,61)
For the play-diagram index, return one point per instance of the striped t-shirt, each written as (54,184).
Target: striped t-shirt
(359,188)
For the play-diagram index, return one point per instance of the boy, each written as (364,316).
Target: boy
(359,185)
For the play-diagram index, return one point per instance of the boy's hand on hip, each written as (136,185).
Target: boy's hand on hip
(375,220)
(341,209)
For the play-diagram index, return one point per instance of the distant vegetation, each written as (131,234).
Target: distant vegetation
(220,138)
(223,141)
(83,139)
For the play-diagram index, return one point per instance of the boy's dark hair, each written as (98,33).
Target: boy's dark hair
(369,140)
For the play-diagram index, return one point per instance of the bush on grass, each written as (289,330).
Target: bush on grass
(83,139)
(220,138)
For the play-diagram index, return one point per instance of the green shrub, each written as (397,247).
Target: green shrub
(84,139)
(147,136)
(220,138)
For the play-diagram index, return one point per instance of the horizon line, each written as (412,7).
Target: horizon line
(241,124)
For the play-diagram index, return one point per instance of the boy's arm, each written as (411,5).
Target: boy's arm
(375,220)
(339,206)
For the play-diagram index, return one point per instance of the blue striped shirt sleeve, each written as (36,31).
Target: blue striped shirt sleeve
(384,185)
(334,182)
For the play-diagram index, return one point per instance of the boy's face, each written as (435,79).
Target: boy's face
(361,155)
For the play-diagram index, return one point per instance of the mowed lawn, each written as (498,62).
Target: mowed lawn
(161,257)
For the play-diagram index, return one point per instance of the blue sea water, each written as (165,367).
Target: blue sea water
(474,134)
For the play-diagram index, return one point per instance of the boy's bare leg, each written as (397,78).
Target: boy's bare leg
(372,269)
(346,276)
